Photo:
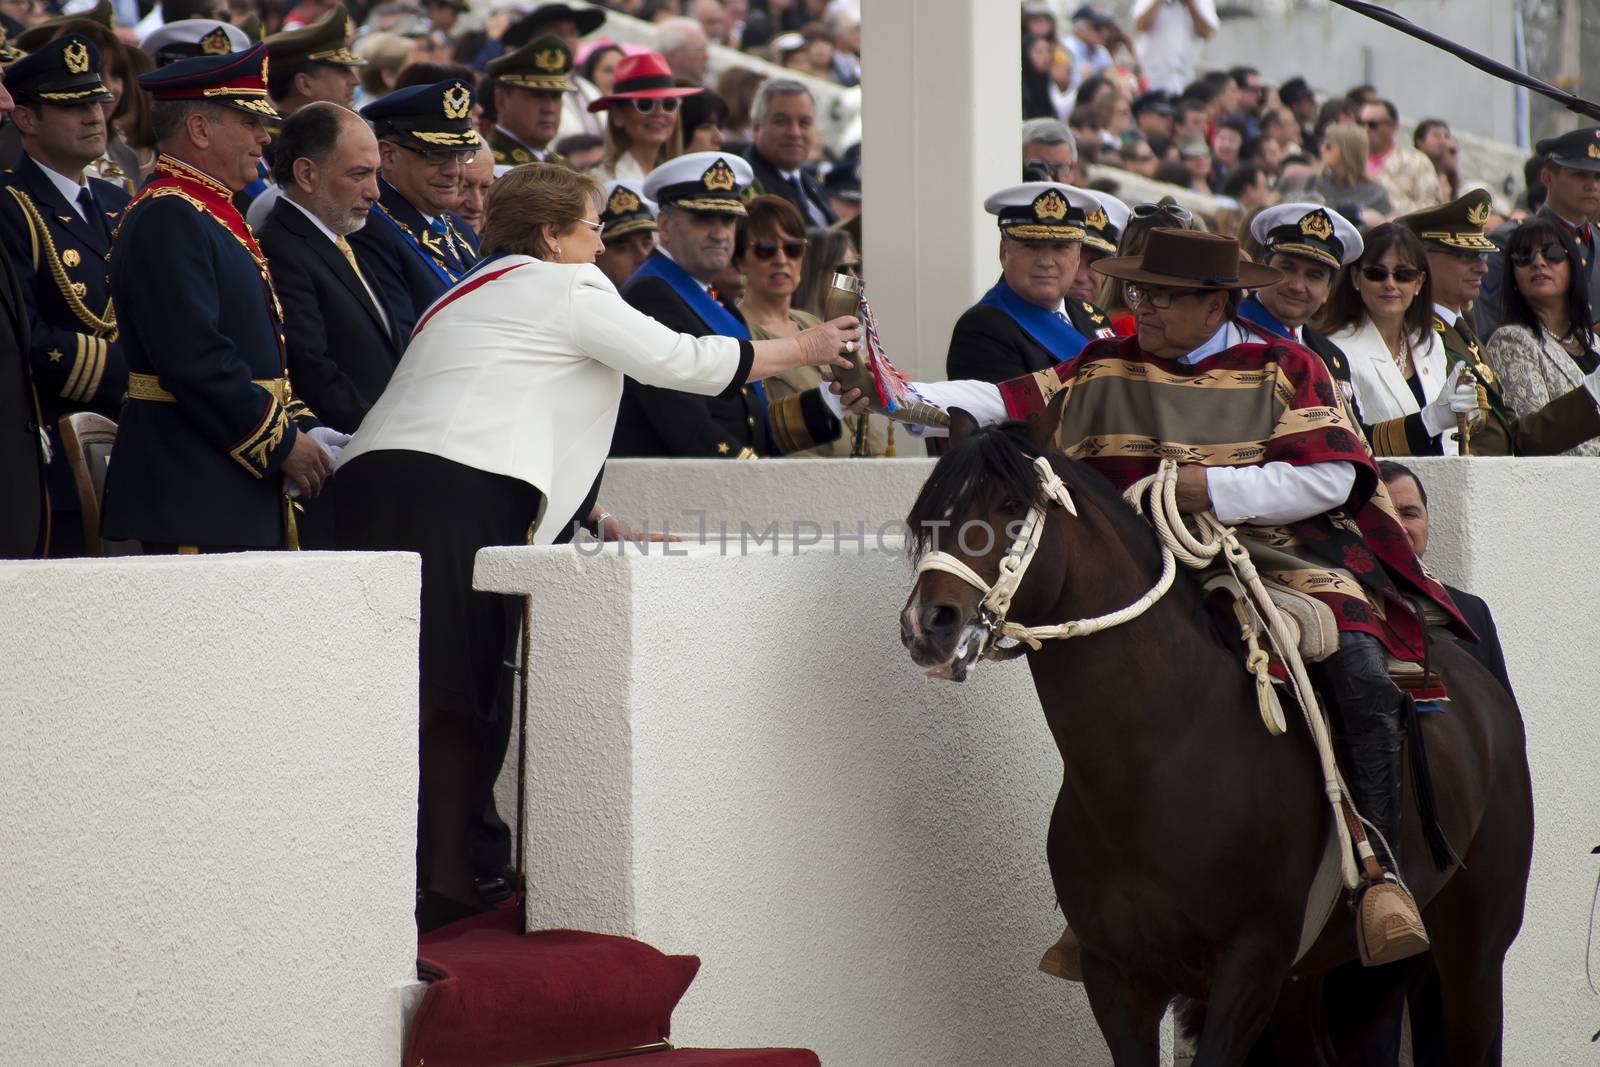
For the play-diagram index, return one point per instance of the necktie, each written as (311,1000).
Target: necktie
(812,211)
(350,257)
(86,204)
(438,228)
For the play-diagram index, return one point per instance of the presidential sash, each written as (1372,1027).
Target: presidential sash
(1252,310)
(1052,332)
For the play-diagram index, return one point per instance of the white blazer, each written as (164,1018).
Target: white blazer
(1381,390)
(517,370)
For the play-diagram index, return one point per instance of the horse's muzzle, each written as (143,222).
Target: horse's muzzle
(941,639)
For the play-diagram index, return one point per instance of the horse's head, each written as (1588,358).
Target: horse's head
(970,514)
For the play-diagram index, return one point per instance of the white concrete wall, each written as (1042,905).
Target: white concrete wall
(209,816)
(857,853)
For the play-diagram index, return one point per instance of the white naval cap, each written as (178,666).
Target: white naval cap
(1042,211)
(712,183)
(1104,227)
(188,38)
(1312,231)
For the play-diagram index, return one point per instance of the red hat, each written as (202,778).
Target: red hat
(645,76)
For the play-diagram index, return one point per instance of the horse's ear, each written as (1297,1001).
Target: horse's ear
(1043,426)
(962,425)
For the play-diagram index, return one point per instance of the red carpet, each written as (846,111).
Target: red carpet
(498,998)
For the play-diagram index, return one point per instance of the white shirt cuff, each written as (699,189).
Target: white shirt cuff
(1277,493)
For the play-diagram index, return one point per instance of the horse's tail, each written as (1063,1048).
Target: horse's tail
(1444,857)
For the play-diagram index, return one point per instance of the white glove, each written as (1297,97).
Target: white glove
(825,390)
(331,440)
(1457,398)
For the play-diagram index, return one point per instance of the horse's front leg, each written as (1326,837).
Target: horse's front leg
(1128,1010)
(1244,992)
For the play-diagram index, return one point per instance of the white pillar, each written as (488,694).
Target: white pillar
(942,121)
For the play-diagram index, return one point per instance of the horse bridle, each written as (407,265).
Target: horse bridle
(997,597)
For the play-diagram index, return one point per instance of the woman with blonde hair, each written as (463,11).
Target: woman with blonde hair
(642,129)
(1342,180)
(493,431)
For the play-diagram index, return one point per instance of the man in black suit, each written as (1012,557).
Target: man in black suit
(783,119)
(1026,322)
(700,203)
(56,225)
(339,334)
(24,507)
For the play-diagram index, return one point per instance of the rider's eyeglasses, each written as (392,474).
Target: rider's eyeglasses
(1158,297)
(792,247)
(1402,275)
(648,104)
(439,157)
(1551,252)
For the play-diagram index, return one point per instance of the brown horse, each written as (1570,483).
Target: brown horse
(1185,838)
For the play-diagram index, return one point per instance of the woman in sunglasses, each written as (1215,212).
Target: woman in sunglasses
(1381,316)
(1547,344)
(770,248)
(642,130)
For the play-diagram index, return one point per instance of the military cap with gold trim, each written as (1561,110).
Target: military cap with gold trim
(711,183)
(237,80)
(544,64)
(9,53)
(65,71)
(1042,211)
(1310,231)
(1103,225)
(1575,149)
(34,38)
(426,116)
(326,40)
(1458,224)
(188,38)
(626,211)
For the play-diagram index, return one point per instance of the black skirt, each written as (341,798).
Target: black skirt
(401,501)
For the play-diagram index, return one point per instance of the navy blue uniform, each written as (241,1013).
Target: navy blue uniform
(197,312)
(409,261)
(60,259)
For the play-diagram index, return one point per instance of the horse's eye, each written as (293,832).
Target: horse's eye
(1011,506)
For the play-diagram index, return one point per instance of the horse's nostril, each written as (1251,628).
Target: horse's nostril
(940,618)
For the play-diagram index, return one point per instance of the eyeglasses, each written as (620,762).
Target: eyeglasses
(1551,252)
(1462,255)
(1175,211)
(647,104)
(1159,298)
(439,157)
(792,248)
(595,226)
(1402,275)
(1375,124)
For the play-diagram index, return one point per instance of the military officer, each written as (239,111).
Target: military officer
(410,248)
(1308,244)
(701,198)
(187,38)
(1457,261)
(1026,322)
(212,441)
(1102,233)
(530,84)
(628,228)
(56,225)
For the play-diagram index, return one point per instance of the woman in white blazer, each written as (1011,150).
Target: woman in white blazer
(493,430)
(1381,316)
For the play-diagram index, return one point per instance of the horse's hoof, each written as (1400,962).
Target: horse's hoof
(1064,959)
(1388,927)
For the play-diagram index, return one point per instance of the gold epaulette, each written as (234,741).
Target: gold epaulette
(44,245)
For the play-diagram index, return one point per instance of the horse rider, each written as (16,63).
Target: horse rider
(1265,444)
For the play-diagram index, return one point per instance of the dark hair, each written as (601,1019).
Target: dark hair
(1295,89)
(593,61)
(1173,172)
(1344,306)
(1425,127)
(1533,181)
(1330,113)
(1184,106)
(1202,92)
(823,254)
(1391,471)
(1518,310)
(1236,126)
(1388,108)
(701,109)
(1239,74)
(1241,178)
(578,142)
(430,73)
(767,215)
(1091,88)
(1357,95)
(309,133)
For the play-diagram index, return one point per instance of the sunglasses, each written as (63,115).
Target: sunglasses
(1375,124)
(668,105)
(792,247)
(1402,275)
(1551,252)
(1175,211)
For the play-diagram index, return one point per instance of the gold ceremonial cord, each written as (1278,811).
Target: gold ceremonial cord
(149,387)
(101,327)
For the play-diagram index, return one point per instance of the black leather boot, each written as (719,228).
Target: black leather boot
(1365,713)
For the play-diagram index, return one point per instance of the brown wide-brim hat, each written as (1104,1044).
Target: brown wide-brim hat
(1189,259)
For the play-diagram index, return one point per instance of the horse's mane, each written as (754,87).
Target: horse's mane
(998,460)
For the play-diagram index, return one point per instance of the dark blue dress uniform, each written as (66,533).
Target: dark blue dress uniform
(411,259)
(59,257)
(210,416)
